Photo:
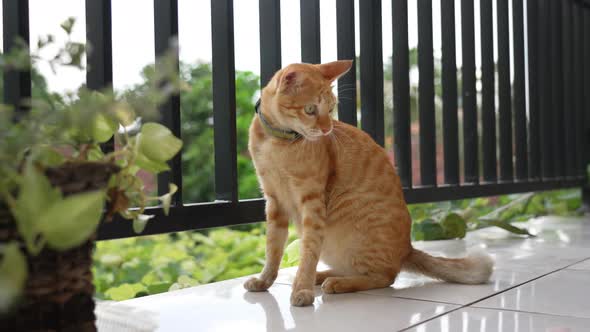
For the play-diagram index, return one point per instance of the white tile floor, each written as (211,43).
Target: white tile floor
(539,284)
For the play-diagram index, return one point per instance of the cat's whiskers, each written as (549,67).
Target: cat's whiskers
(345,93)
(342,133)
(350,88)
(336,142)
(348,85)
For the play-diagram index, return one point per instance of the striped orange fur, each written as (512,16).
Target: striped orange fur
(339,188)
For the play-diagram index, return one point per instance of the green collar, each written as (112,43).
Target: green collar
(276,132)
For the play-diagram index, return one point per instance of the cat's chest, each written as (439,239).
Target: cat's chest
(277,171)
(278,162)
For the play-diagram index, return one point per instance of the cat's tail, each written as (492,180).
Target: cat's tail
(475,268)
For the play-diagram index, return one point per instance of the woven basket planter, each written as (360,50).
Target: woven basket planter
(58,295)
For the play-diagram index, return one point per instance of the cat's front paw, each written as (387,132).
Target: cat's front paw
(257,285)
(302,297)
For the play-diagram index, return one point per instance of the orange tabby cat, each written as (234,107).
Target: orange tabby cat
(339,188)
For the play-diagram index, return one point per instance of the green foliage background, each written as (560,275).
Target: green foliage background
(198,156)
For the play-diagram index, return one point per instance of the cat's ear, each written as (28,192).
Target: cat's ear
(288,81)
(333,70)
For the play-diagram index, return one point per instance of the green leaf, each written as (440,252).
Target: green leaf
(13,275)
(158,143)
(95,154)
(125,291)
(292,253)
(69,222)
(140,222)
(507,226)
(111,260)
(160,287)
(150,165)
(75,50)
(124,113)
(103,128)
(187,281)
(47,156)
(454,226)
(68,25)
(36,196)
(166,198)
(428,230)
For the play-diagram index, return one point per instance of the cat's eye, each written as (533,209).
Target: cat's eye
(310,109)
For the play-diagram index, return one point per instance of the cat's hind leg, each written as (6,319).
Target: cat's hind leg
(320,276)
(333,285)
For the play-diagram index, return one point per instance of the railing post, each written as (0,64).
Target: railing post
(470,136)
(270,39)
(310,31)
(224,100)
(401,92)
(371,67)
(165,32)
(346,51)
(488,94)
(99,72)
(426,110)
(585,8)
(17,83)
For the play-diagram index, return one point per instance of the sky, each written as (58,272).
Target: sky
(133,39)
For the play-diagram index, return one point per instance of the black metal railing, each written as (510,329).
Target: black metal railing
(543,112)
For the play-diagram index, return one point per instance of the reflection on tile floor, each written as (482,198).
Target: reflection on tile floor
(564,292)
(585,265)
(476,320)
(539,284)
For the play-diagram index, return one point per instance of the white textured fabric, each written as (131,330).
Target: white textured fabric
(116,317)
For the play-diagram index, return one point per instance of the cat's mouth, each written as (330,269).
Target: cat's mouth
(314,134)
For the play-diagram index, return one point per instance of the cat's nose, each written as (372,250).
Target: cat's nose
(326,131)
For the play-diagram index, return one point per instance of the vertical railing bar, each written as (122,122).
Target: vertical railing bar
(567,70)
(17,83)
(533,80)
(401,92)
(224,100)
(519,98)
(504,93)
(346,51)
(426,93)
(579,64)
(544,69)
(371,67)
(99,72)
(470,138)
(586,133)
(310,31)
(557,114)
(488,107)
(165,38)
(449,93)
(270,39)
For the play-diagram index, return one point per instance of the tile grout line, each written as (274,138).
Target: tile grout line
(409,298)
(487,297)
(531,312)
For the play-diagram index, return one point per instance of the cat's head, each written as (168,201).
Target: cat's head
(299,97)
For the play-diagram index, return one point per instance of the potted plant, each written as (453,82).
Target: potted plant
(57,184)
